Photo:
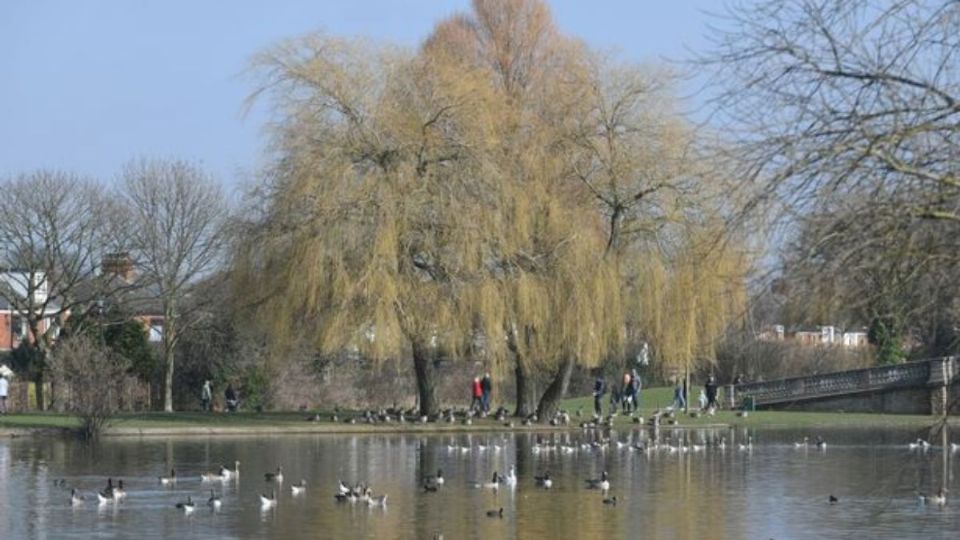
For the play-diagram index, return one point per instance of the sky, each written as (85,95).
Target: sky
(87,86)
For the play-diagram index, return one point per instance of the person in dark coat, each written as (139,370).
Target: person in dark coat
(233,402)
(599,389)
(486,386)
(711,390)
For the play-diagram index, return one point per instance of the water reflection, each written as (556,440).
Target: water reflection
(668,484)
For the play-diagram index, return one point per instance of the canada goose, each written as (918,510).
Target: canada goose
(274,476)
(833,500)
(511,478)
(76,498)
(299,487)
(495,483)
(343,488)
(801,444)
(119,492)
(612,501)
(214,501)
(821,444)
(268,501)
(169,480)
(544,481)
(939,499)
(748,446)
(954,447)
(208,477)
(107,495)
(495,513)
(187,507)
(228,474)
(602,483)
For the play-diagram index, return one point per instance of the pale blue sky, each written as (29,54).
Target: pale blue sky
(87,85)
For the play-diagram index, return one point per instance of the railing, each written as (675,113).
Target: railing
(839,383)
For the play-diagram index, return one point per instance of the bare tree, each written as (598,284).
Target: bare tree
(178,218)
(93,374)
(56,229)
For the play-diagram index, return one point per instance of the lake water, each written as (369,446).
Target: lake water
(772,491)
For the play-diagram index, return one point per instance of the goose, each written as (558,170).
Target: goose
(372,500)
(268,501)
(119,492)
(821,444)
(169,480)
(544,481)
(602,483)
(214,501)
(493,484)
(801,444)
(939,499)
(495,513)
(434,481)
(954,447)
(209,477)
(511,478)
(187,507)
(833,499)
(345,497)
(76,498)
(274,476)
(612,501)
(343,488)
(299,487)
(748,446)
(722,445)
(107,495)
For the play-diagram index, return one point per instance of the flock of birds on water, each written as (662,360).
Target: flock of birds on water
(361,493)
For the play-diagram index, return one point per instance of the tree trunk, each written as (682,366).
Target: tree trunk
(526,398)
(556,391)
(38,381)
(169,333)
(426,380)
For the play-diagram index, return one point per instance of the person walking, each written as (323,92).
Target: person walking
(206,396)
(711,388)
(476,404)
(627,395)
(4,390)
(679,397)
(635,386)
(486,386)
(599,389)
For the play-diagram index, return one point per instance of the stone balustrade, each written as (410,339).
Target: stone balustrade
(936,374)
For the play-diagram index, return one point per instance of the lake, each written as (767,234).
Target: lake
(773,490)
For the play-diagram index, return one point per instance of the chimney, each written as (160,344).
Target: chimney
(119,264)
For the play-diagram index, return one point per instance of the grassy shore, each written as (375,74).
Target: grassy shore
(197,423)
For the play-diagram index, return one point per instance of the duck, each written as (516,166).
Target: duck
(375,500)
(495,513)
(544,481)
(821,444)
(76,499)
(169,480)
(214,501)
(602,483)
(188,506)
(511,478)
(833,499)
(434,481)
(299,487)
(268,501)
(801,444)
(274,476)
(612,501)
(939,499)
(108,494)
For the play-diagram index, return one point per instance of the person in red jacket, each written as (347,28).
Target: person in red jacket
(477,403)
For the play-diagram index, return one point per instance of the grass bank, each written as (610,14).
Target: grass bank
(197,423)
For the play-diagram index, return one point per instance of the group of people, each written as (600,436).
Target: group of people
(481,390)
(627,396)
(707,399)
(231,398)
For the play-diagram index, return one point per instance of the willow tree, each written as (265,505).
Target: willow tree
(369,234)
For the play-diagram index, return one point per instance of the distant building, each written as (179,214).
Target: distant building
(814,335)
